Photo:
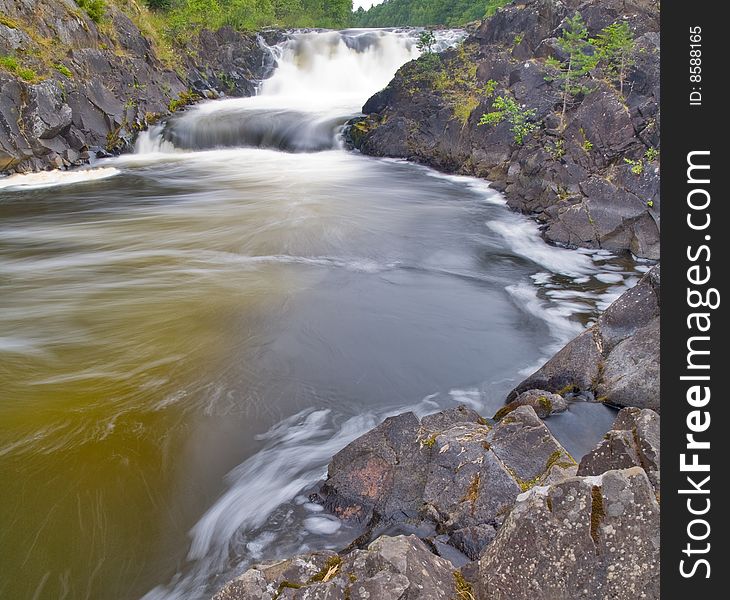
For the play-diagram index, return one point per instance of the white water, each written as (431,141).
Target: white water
(322,79)
(248,211)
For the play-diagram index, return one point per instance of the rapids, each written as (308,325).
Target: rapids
(188,333)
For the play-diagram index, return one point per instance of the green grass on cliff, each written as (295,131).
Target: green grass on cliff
(13,66)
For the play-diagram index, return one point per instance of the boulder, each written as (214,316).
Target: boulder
(390,568)
(585,537)
(614,361)
(451,473)
(633,441)
(544,403)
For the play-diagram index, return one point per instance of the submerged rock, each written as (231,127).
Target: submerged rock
(585,537)
(616,360)
(390,568)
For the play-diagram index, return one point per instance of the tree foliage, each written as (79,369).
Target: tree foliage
(185,15)
(615,45)
(425,13)
(580,58)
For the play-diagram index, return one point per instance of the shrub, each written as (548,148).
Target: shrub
(506,108)
(96,9)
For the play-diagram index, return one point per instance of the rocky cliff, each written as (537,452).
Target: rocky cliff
(592,177)
(72,87)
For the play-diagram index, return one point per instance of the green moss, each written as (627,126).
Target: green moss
(597,512)
(284,585)
(545,402)
(63,70)
(567,389)
(11,64)
(8,22)
(464,590)
(96,9)
(429,442)
(463,110)
(328,571)
(184,99)
(504,411)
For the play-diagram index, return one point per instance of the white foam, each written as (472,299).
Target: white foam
(45,179)
(322,525)
(523,238)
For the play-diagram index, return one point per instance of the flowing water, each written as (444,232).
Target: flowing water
(188,333)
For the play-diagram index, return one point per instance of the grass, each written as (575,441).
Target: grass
(63,70)
(11,64)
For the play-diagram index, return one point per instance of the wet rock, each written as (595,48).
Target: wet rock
(585,537)
(451,472)
(632,441)
(391,568)
(545,404)
(615,361)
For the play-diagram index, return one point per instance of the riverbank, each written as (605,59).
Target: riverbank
(453,505)
(84,89)
(584,164)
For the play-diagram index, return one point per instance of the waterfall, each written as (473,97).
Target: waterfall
(322,79)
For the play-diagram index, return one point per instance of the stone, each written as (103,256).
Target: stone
(616,360)
(633,440)
(449,472)
(390,568)
(585,537)
(543,402)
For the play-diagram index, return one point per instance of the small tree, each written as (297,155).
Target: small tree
(426,41)
(580,59)
(506,108)
(615,46)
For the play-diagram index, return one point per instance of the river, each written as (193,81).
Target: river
(189,332)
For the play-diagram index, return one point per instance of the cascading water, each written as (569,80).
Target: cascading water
(190,332)
(320,81)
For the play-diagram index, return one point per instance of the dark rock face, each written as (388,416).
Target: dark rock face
(632,442)
(585,537)
(615,361)
(450,473)
(391,568)
(575,179)
(100,89)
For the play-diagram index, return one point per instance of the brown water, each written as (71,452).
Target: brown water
(187,337)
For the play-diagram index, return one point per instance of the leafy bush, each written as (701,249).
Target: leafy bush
(96,9)
(506,108)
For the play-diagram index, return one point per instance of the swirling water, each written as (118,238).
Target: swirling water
(188,333)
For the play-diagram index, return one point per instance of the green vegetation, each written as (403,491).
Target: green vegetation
(184,16)
(651,154)
(425,13)
(11,64)
(426,41)
(581,57)
(63,70)
(506,108)
(637,166)
(96,9)
(615,45)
